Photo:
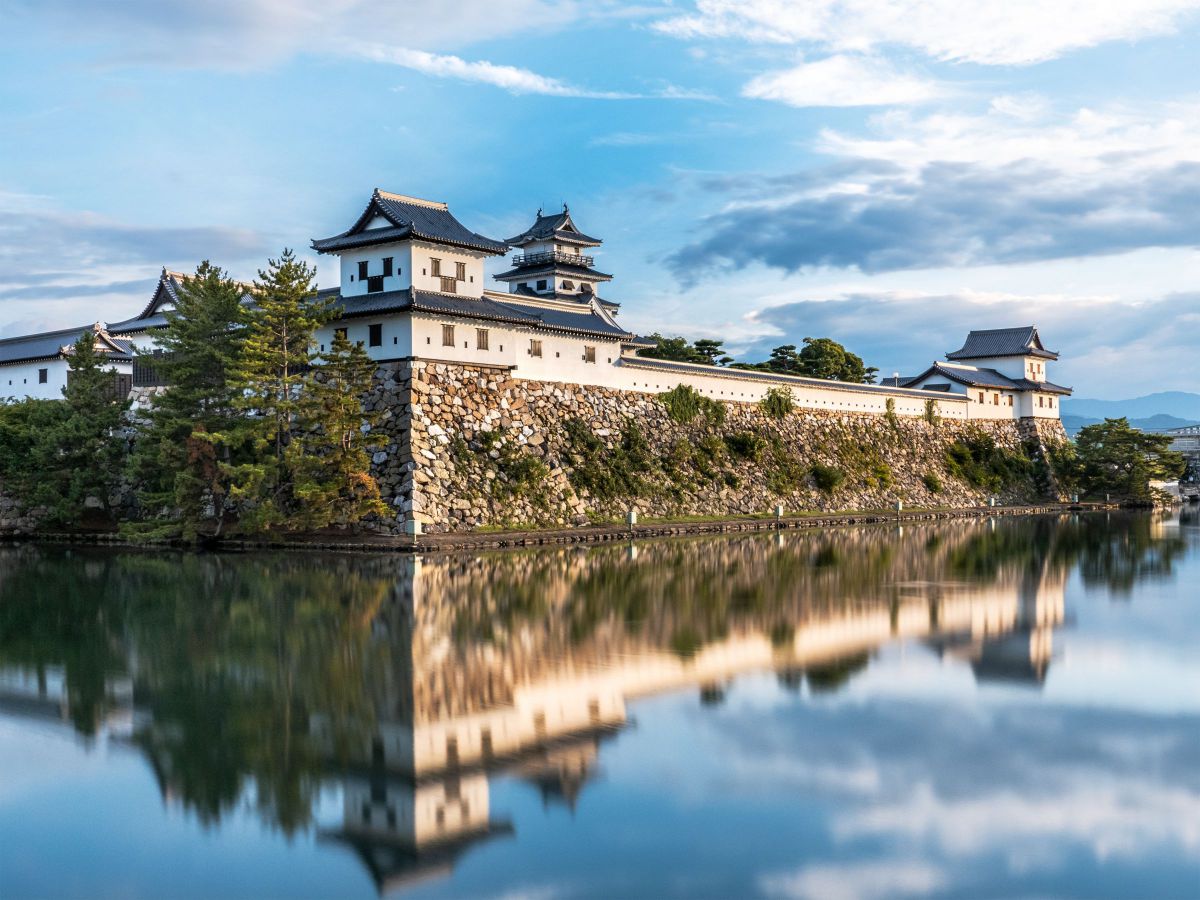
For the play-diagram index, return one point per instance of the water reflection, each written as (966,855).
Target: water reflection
(408,685)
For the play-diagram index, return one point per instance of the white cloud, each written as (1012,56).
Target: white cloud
(990,32)
(510,78)
(1113,817)
(843,80)
(1098,142)
(247,34)
(856,881)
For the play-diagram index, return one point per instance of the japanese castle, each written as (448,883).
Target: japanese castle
(412,288)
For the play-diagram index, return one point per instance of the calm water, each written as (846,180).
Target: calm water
(1007,708)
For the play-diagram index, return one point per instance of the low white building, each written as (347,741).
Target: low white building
(412,287)
(36,366)
(1002,372)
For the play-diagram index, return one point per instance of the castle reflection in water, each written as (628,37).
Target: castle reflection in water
(410,682)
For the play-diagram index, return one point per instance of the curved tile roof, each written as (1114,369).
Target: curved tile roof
(993,342)
(409,217)
(558,227)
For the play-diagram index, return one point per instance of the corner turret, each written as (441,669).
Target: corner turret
(552,261)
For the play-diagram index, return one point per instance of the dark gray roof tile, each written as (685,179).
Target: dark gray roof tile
(410,217)
(558,227)
(1022,341)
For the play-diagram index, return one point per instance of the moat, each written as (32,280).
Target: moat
(990,707)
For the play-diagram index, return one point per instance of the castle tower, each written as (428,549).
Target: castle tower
(402,242)
(552,261)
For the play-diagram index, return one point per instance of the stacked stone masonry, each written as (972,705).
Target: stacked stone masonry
(463,447)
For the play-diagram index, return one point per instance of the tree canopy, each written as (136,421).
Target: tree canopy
(705,351)
(1116,459)
(818,358)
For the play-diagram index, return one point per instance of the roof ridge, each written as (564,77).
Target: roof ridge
(415,201)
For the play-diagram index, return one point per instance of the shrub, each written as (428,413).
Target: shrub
(684,403)
(890,412)
(979,461)
(880,475)
(778,402)
(745,444)
(931,412)
(603,473)
(827,478)
(932,483)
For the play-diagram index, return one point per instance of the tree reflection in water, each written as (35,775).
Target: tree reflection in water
(407,680)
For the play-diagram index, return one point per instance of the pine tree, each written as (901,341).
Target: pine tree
(331,467)
(176,461)
(268,379)
(77,457)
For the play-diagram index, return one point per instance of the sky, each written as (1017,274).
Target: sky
(888,174)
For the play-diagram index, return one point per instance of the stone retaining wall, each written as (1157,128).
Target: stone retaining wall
(464,447)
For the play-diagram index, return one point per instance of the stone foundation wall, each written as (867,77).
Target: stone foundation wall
(465,447)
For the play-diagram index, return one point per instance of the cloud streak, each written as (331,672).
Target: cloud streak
(843,80)
(989,32)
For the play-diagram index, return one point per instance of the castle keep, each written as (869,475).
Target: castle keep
(486,388)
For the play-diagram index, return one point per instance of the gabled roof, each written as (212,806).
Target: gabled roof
(407,218)
(56,345)
(557,227)
(972,376)
(166,292)
(166,296)
(1003,342)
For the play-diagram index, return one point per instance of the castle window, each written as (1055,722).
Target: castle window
(1010,400)
(1050,402)
(376,335)
(535,348)
(447,335)
(435,268)
(387,267)
(481,338)
(1041,401)
(995,399)
(589,354)
(586,287)
(374,284)
(449,285)
(460,271)
(43,376)
(362,269)
(981,396)
(542,285)
(568,285)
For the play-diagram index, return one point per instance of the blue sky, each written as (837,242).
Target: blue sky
(888,174)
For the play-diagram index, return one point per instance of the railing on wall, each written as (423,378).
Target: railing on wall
(550,256)
(147,374)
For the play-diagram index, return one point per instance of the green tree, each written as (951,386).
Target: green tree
(1114,458)
(65,457)
(819,358)
(678,349)
(268,380)
(176,461)
(331,465)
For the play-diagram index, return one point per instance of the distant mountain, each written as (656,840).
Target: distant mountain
(1151,423)
(1178,404)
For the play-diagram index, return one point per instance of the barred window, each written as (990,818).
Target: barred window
(481,338)
(460,271)
(435,267)
(589,354)
(535,348)
(447,335)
